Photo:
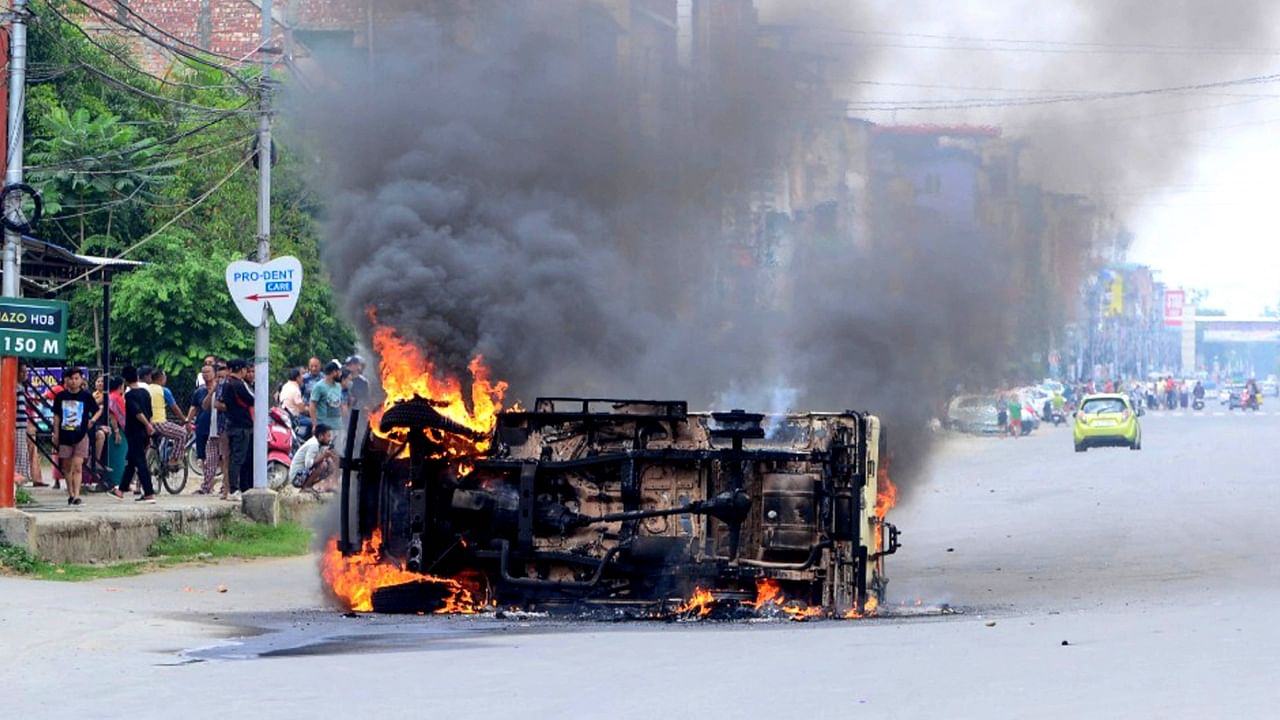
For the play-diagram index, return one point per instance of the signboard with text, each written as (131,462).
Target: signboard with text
(256,286)
(1174,300)
(33,328)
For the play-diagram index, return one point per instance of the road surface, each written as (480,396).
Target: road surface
(1110,584)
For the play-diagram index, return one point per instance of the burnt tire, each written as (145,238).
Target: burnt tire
(416,415)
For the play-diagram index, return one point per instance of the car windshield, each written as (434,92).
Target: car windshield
(1098,406)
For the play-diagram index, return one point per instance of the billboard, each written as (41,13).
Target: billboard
(1174,302)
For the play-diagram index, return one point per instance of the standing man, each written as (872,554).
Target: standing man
(359,392)
(312,376)
(137,432)
(197,413)
(326,401)
(237,402)
(216,451)
(74,412)
(22,456)
(290,396)
(211,361)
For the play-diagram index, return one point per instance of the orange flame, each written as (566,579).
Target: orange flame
(354,578)
(800,614)
(886,498)
(869,608)
(407,372)
(702,601)
(769,593)
(886,492)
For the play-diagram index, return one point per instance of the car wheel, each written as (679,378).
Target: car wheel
(1080,448)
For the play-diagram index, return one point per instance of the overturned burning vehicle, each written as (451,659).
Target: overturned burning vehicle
(614,505)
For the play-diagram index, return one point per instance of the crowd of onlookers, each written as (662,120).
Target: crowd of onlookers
(107,424)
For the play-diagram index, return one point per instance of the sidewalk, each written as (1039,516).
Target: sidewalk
(104,529)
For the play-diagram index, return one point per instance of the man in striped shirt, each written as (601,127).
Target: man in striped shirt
(22,456)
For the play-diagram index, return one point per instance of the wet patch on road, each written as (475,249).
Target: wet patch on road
(313,633)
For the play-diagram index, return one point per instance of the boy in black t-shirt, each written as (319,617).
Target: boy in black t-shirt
(74,412)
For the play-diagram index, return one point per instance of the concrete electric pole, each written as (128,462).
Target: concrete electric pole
(12,243)
(262,337)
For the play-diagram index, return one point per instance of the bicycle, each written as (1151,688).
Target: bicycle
(160,457)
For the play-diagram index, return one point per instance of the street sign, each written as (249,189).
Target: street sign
(1174,300)
(33,328)
(255,286)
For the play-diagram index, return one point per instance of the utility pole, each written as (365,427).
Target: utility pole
(12,242)
(262,338)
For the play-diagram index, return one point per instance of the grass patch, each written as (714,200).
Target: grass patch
(17,561)
(23,497)
(238,540)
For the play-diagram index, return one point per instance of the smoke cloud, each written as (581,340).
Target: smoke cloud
(496,191)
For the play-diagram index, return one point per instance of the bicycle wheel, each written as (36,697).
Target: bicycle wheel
(154,464)
(175,480)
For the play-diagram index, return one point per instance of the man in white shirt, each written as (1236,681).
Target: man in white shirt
(290,396)
(315,464)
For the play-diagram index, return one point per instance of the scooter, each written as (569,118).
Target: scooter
(301,425)
(280,448)
(1197,403)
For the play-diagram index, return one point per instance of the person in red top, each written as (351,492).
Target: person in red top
(116,419)
(55,470)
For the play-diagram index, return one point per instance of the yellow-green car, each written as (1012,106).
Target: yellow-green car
(1106,421)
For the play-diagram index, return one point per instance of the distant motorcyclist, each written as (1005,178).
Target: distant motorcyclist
(1250,398)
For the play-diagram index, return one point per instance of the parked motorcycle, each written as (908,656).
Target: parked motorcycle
(301,426)
(280,447)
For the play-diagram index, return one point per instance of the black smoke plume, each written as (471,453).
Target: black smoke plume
(498,190)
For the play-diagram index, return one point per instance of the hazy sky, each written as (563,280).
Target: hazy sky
(1192,173)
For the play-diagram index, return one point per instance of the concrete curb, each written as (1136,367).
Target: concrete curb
(101,537)
(303,508)
(18,528)
(103,532)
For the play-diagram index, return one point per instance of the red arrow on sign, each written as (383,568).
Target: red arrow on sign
(256,297)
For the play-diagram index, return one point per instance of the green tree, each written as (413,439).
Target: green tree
(90,162)
(127,164)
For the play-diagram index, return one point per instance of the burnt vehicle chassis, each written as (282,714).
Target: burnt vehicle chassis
(632,502)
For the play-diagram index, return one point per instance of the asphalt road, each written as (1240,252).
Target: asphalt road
(1156,568)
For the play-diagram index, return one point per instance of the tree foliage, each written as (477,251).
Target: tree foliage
(123,167)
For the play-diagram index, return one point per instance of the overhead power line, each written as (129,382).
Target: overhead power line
(172,44)
(144,144)
(1035,45)
(169,223)
(973,103)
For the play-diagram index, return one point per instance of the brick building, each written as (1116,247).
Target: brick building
(231,28)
